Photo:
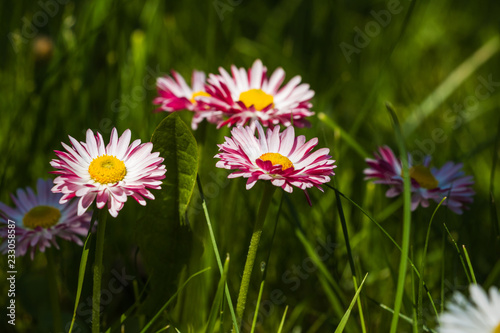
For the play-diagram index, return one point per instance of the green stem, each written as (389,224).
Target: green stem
(96,293)
(252,251)
(405,243)
(53,291)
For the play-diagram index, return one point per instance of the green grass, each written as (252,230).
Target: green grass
(100,73)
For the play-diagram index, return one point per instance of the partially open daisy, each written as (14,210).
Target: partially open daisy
(281,158)
(109,174)
(426,182)
(482,315)
(175,95)
(247,97)
(40,219)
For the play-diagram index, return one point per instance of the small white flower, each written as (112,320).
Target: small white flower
(482,315)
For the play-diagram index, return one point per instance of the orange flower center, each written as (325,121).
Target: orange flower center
(423,176)
(41,216)
(107,169)
(276,159)
(198,93)
(497,329)
(257,98)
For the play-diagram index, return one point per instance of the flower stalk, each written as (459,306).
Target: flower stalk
(252,251)
(96,292)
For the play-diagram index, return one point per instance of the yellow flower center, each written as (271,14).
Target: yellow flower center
(277,158)
(198,93)
(257,98)
(423,176)
(497,329)
(41,216)
(107,169)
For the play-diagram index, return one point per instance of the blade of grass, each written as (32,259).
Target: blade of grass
(145,329)
(402,316)
(280,328)
(345,318)
(393,241)
(256,313)
(390,238)
(422,263)
(473,276)
(324,274)
(216,252)
(350,257)
(459,254)
(212,318)
(406,221)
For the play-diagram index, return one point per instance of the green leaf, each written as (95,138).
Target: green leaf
(175,142)
(164,219)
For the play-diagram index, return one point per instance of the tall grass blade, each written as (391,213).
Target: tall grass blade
(406,220)
(216,305)
(459,254)
(422,263)
(345,318)
(469,265)
(280,328)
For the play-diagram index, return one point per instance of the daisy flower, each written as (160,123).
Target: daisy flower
(281,158)
(482,315)
(109,174)
(176,95)
(40,219)
(248,97)
(426,183)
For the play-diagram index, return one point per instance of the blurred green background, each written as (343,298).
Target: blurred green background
(67,66)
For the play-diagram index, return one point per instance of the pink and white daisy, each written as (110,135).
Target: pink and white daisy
(109,174)
(426,183)
(281,158)
(39,219)
(248,97)
(176,95)
(482,315)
